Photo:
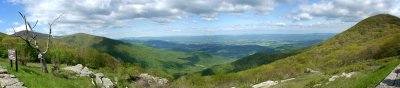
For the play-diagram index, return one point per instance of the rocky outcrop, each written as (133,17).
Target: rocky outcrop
(98,79)
(270,83)
(101,80)
(309,70)
(9,81)
(82,71)
(391,81)
(265,84)
(147,80)
(344,74)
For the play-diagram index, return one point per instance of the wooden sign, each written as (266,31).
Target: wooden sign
(11,54)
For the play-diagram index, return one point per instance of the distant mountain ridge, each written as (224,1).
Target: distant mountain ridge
(310,36)
(24,33)
(374,38)
(267,40)
(231,51)
(231,46)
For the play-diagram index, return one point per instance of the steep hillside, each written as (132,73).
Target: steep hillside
(371,39)
(172,62)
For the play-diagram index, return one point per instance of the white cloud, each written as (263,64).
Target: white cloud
(346,10)
(281,24)
(89,15)
(17,29)
(303,16)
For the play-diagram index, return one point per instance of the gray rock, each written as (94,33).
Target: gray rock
(8,81)
(3,71)
(16,85)
(309,70)
(5,76)
(92,75)
(98,81)
(85,72)
(265,84)
(146,79)
(101,75)
(77,68)
(107,83)
(98,78)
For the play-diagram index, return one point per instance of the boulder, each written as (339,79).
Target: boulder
(149,80)
(107,83)
(309,70)
(77,68)
(16,85)
(5,76)
(333,78)
(265,84)
(98,81)
(8,81)
(3,71)
(287,80)
(92,76)
(98,78)
(99,75)
(347,75)
(85,72)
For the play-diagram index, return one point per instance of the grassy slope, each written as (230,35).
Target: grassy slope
(373,38)
(32,77)
(369,77)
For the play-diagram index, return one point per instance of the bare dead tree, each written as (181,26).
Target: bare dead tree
(31,38)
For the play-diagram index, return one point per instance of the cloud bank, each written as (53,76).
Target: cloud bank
(346,10)
(89,15)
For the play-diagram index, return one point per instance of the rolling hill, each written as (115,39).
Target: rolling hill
(172,62)
(369,44)
(248,62)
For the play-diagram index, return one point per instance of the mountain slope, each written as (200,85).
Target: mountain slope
(248,62)
(23,33)
(373,38)
(172,62)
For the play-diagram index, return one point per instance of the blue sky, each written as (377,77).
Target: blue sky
(136,18)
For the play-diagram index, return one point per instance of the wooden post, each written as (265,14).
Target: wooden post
(16,61)
(11,63)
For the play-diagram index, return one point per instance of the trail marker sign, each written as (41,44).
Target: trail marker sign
(12,55)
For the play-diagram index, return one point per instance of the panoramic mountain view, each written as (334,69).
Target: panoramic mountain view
(200,43)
